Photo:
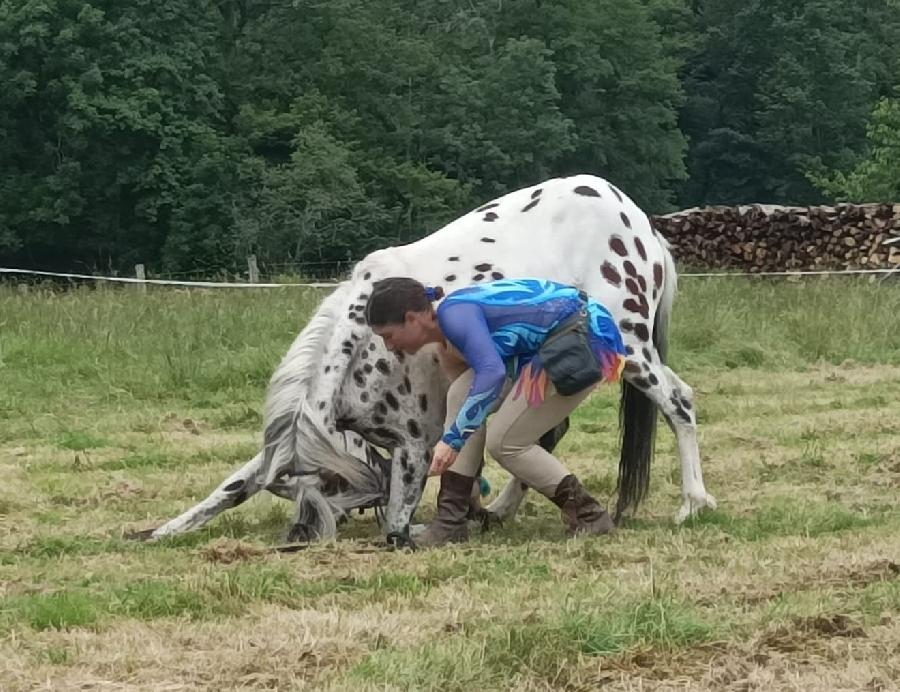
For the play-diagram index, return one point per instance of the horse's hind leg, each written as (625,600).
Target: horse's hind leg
(675,400)
(507,503)
(682,419)
(233,491)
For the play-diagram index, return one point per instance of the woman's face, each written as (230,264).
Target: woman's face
(409,336)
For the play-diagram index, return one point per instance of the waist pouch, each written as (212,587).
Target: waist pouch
(568,358)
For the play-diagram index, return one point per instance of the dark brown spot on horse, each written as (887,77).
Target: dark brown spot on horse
(586,191)
(642,251)
(632,306)
(608,271)
(632,367)
(617,245)
(657,275)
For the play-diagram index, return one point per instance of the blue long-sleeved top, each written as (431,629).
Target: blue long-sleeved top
(499,327)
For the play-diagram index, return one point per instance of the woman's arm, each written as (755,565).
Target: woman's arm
(466,329)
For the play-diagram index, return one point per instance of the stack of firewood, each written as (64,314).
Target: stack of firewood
(762,238)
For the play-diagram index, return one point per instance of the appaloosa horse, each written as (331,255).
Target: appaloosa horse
(339,395)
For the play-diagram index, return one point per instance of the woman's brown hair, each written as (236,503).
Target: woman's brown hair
(392,298)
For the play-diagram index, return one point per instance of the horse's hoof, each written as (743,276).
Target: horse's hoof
(488,520)
(299,533)
(693,505)
(144,535)
(397,540)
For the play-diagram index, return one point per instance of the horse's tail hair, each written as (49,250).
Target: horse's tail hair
(289,386)
(638,413)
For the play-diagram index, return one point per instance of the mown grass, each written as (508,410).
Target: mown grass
(145,600)
(120,410)
(540,649)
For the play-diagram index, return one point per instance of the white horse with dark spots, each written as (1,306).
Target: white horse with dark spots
(339,396)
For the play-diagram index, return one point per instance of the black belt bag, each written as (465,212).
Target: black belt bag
(568,358)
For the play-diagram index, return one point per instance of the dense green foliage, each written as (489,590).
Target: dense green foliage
(187,135)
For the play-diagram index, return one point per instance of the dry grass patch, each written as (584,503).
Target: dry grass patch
(791,584)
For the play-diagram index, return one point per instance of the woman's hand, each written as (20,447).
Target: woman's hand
(442,459)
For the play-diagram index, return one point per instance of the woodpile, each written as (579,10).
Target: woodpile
(761,238)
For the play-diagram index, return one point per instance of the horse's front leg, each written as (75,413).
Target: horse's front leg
(233,491)
(409,470)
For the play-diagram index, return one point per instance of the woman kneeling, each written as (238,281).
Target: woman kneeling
(527,350)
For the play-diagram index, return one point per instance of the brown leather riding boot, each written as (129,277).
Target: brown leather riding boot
(449,524)
(581,513)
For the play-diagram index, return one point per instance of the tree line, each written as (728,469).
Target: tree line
(187,134)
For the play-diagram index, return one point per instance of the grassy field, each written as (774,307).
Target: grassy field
(118,411)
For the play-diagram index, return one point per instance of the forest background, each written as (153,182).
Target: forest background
(189,134)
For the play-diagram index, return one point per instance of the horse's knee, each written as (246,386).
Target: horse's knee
(682,387)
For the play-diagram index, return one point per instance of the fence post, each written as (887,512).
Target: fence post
(139,273)
(252,269)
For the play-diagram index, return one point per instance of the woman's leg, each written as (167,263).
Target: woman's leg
(512,435)
(449,524)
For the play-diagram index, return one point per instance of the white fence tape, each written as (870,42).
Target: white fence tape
(331,284)
(163,282)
